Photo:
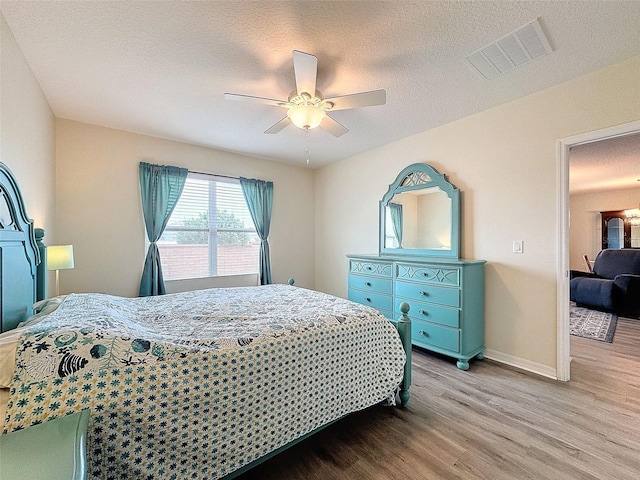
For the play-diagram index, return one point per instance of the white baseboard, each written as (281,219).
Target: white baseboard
(521,363)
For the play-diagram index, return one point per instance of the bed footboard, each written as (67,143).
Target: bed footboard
(404,329)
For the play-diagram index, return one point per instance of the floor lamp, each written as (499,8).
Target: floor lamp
(59,257)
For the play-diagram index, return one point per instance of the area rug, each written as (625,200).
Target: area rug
(592,324)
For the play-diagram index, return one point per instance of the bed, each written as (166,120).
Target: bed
(203,384)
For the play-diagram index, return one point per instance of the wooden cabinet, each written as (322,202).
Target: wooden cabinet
(446,299)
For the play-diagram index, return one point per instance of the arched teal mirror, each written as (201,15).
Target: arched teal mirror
(420,215)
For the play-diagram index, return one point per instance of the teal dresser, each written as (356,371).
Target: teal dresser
(446,299)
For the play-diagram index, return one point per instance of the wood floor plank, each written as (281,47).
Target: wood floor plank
(491,422)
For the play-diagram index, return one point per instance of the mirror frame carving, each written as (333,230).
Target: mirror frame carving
(416,177)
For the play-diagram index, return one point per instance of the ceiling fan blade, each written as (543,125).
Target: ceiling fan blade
(357,100)
(334,128)
(248,98)
(305,68)
(279,126)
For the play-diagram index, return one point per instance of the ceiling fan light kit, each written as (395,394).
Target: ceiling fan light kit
(306,116)
(308,110)
(305,111)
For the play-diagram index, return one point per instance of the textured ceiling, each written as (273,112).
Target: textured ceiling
(161,68)
(605,165)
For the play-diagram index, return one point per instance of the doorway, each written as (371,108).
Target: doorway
(563,370)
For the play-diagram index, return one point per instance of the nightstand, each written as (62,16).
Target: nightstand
(50,451)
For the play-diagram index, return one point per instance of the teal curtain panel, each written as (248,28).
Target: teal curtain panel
(259,197)
(160,189)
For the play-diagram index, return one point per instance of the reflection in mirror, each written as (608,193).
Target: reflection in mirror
(635,235)
(395,230)
(633,217)
(615,233)
(419,219)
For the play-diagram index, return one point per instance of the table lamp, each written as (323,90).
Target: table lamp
(59,257)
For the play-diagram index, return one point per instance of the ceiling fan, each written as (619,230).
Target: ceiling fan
(306,107)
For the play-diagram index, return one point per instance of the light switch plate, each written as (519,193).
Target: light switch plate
(518,246)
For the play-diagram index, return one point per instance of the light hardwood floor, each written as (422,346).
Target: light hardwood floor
(492,422)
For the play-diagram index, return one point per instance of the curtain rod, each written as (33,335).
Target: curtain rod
(214,174)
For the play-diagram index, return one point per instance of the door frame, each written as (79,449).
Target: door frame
(563,359)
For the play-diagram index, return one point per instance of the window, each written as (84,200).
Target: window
(210,232)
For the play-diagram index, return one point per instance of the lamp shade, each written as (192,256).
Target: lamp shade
(306,116)
(59,257)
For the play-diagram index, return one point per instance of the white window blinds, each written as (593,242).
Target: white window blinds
(210,232)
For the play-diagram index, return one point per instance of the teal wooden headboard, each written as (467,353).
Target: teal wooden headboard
(19,255)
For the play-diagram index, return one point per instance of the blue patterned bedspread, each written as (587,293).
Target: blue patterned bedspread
(199,384)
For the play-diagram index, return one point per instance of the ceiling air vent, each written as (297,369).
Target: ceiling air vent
(519,47)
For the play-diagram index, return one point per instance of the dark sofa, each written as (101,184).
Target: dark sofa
(614,285)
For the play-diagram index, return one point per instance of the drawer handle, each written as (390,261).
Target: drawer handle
(369,268)
(367,284)
(424,294)
(367,299)
(423,312)
(422,332)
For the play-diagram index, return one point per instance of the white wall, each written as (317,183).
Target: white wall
(99,210)
(585,230)
(504,161)
(27,133)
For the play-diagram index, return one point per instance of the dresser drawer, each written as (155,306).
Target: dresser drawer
(371,284)
(373,299)
(379,269)
(431,313)
(435,335)
(428,293)
(428,274)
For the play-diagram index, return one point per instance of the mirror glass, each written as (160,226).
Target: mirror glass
(635,235)
(419,219)
(615,233)
(419,214)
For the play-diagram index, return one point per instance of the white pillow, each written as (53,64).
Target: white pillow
(9,340)
(8,344)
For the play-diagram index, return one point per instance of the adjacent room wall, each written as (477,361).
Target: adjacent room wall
(504,161)
(27,133)
(99,209)
(585,231)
